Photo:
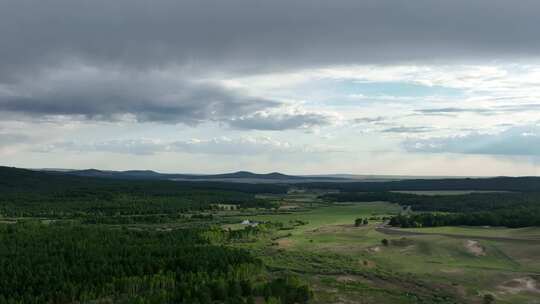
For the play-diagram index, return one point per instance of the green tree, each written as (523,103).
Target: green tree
(489,298)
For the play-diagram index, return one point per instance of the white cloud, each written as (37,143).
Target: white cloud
(244,146)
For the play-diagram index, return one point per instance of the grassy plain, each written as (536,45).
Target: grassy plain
(529,233)
(445,192)
(348,264)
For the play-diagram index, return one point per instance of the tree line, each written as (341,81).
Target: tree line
(521,217)
(27,193)
(510,209)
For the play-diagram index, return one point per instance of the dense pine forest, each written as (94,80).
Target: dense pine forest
(63,263)
(31,193)
(66,240)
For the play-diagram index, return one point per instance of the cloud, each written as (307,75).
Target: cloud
(168,96)
(281,33)
(236,67)
(452,110)
(103,93)
(407,130)
(369,120)
(163,61)
(239,146)
(517,141)
(9,139)
(493,110)
(264,120)
(217,146)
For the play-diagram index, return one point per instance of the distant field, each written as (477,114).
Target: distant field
(446,192)
(524,233)
(332,215)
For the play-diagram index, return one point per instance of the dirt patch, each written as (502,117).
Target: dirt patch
(284,243)
(288,207)
(375,249)
(525,284)
(330,229)
(475,248)
(347,278)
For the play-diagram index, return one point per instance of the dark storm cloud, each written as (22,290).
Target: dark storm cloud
(108,94)
(168,96)
(40,40)
(271,34)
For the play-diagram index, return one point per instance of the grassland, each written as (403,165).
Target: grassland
(529,233)
(348,264)
(446,192)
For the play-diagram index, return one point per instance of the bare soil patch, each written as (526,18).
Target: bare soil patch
(331,229)
(475,248)
(348,278)
(375,249)
(525,284)
(285,243)
(289,207)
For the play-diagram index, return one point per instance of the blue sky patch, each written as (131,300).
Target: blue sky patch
(398,89)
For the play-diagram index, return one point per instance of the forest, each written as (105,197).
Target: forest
(67,239)
(510,218)
(66,263)
(32,193)
(517,184)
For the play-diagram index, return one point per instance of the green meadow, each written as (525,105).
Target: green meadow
(531,233)
(348,264)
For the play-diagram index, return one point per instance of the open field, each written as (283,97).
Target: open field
(347,263)
(337,214)
(446,192)
(530,233)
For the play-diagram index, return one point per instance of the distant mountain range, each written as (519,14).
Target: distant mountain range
(60,180)
(240,176)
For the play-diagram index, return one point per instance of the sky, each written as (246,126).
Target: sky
(417,87)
